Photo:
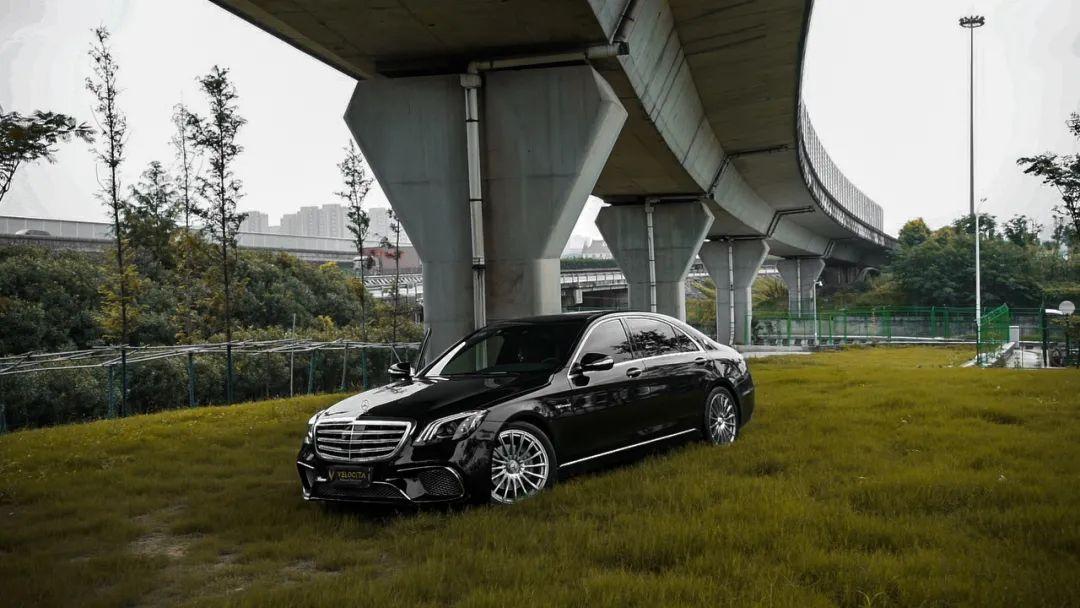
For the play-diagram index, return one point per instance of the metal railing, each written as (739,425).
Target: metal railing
(41,389)
(993,334)
(884,324)
(840,199)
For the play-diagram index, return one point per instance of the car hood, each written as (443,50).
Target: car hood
(425,399)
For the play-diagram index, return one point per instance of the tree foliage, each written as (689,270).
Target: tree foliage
(186,154)
(1062,171)
(29,138)
(914,232)
(154,206)
(1022,230)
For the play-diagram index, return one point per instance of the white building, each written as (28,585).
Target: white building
(256,221)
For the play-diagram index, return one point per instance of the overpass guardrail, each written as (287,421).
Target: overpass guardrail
(838,198)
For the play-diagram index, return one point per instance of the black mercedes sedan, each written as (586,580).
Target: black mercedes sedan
(511,408)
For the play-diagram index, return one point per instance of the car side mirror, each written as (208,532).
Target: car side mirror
(595,362)
(400,371)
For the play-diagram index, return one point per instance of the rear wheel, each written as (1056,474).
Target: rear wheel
(721,417)
(522,463)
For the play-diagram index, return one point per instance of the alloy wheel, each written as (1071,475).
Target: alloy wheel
(520,466)
(721,418)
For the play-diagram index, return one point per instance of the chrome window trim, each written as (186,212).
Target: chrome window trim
(408,424)
(665,322)
(626,447)
(623,317)
(585,338)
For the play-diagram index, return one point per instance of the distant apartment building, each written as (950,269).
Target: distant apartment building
(332,221)
(380,225)
(329,220)
(290,224)
(256,221)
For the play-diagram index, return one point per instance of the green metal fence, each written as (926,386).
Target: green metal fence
(853,325)
(993,334)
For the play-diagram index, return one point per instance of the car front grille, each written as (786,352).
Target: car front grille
(360,440)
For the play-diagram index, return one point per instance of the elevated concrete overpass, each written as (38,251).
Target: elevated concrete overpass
(488,122)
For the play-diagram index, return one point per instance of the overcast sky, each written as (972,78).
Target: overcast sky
(885,83)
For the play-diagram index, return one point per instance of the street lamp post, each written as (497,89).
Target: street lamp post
(970,23)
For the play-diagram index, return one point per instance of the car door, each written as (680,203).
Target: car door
(676,376)
(590,415)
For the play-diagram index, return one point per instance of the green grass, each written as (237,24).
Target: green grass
(869,477)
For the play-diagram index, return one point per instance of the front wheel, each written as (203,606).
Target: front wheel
(522,463)
(721,417)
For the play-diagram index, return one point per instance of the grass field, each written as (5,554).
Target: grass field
(869,477)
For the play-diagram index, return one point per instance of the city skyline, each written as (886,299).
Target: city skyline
(327,220)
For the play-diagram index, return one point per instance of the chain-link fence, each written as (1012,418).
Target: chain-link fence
(43,389)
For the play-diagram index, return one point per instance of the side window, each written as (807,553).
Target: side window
(609,338)
(655,338)
(683,342)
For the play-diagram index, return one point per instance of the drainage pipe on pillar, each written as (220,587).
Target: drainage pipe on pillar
(471,82)
(798,286)
(731,290)
(652,253)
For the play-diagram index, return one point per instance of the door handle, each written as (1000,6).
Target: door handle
(701,360)
(633,372)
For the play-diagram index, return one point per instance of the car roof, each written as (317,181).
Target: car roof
(582,316)
(585,316)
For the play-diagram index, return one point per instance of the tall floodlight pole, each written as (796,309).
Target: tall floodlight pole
(970,23)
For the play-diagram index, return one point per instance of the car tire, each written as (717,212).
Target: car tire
(721,422)
(523,464)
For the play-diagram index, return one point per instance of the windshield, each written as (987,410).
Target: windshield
(510,349)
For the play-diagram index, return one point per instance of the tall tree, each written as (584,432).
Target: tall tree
(393,250)
(1063,172)
(215,136)
(26,139)
(354,174)
(110,153)
(186,173)
(187,242)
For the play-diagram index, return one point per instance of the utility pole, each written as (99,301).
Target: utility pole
(971,23)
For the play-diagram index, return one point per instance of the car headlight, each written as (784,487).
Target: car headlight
(740,363)
(455,427)
(309,437)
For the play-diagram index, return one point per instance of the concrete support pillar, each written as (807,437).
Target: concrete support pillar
(411,130)
(548,133)
(733,266)
(678,230)
(801,275)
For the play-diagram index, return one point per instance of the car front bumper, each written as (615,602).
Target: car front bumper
(446,473)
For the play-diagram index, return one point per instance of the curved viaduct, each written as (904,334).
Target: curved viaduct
(684,115)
